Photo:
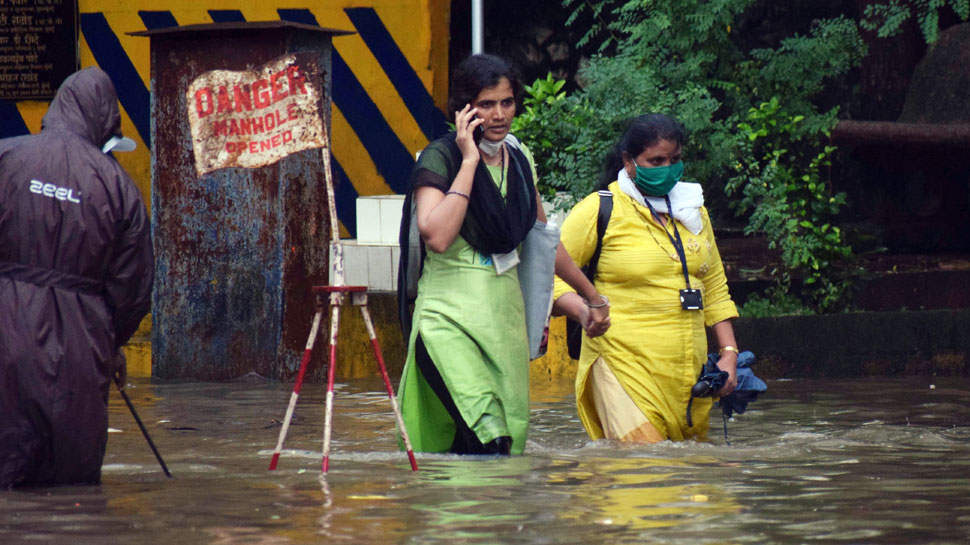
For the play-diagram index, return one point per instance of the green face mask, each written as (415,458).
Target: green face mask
(658,181)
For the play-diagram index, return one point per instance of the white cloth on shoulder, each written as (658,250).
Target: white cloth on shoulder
(686,199)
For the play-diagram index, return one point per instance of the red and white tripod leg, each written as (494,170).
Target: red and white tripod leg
(334,324)
(387,384)
(296,389)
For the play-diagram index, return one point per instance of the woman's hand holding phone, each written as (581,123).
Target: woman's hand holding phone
(468,132)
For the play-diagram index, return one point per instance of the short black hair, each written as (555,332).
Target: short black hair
(479,72)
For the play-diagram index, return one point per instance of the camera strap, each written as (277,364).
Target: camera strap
(675,239)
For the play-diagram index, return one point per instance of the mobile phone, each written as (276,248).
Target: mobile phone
(478,133)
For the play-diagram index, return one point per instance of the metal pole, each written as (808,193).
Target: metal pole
(478,27)
(144,431)
(336,299)
(338,250)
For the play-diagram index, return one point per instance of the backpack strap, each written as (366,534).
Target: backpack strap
(574,332)
(602,220)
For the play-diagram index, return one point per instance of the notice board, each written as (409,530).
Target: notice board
(38,47)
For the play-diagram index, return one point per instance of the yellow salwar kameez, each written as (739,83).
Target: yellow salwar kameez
(654,349)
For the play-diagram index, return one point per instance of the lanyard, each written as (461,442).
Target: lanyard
(674,240)
(501,184)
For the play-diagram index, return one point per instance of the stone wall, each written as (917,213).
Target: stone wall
(928,342)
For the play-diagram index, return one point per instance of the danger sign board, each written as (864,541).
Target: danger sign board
(254,118)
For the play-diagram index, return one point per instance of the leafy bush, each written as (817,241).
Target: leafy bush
(791,203)
(776,303)
(542,104)
(756,129)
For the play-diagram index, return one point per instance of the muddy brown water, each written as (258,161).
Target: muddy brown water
(876,461)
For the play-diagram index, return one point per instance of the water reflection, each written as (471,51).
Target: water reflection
(874,461)
(643,493)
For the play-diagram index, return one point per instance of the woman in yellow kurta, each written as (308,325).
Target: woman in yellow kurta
(634,382)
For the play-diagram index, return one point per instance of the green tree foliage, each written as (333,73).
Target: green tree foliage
(887,19)
(537,125)
(756,128)
(791,203)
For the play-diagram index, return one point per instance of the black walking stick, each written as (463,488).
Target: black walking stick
(144,431)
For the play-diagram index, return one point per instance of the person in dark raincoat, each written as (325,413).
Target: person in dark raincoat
(76,271)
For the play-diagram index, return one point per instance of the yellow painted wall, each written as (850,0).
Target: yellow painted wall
(418,27)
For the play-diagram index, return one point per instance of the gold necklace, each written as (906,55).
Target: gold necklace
(647,221)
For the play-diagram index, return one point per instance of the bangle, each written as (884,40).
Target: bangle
(605,303)
(729,349)
(459,193)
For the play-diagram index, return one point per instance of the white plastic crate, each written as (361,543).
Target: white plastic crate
(379,219)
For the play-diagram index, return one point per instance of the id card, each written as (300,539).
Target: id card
(691,299)
(504,262)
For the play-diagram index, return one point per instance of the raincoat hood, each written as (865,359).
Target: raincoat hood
(86,105)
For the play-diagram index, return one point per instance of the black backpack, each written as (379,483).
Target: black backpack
(574,331)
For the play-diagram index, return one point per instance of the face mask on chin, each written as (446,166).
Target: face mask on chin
(490,148)
(658,181)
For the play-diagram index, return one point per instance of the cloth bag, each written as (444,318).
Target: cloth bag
(409,264)
(537,266)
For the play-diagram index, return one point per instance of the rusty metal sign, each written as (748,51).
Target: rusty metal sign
(256,117)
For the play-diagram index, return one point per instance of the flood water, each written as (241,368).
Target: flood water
(876,461)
